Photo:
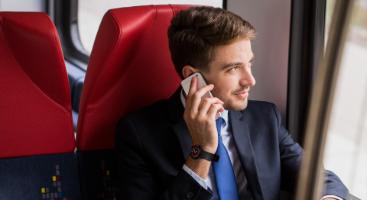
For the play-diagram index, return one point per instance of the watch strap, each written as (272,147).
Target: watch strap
(197,152)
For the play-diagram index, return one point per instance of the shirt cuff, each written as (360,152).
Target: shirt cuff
(196,177)
(331,196)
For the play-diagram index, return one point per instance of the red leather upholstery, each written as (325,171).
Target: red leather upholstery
(130,67)
(35,109)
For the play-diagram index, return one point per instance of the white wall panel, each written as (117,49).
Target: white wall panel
(272,22)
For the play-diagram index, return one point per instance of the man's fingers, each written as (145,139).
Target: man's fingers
(192,90)
(193,101)
(205,105)
(202,91)
(214,109)
(193,86)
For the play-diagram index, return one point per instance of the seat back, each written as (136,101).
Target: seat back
(36,132)
(130,67)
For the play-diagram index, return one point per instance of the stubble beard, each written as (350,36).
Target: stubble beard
(236,106)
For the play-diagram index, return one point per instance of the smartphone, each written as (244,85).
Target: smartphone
(201,83)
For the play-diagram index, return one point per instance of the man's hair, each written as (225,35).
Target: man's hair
(194,33)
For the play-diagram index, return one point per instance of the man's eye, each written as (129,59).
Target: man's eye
(233,68)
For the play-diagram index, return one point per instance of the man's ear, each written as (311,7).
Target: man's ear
(187,70)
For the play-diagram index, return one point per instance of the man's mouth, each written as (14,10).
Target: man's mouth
(243,93)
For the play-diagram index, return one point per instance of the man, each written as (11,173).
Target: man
(221,147)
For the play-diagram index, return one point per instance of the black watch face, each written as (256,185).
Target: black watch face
(195,151)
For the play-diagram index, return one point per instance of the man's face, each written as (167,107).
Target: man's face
(230,72)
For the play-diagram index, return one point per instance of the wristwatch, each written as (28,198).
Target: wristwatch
(197,152)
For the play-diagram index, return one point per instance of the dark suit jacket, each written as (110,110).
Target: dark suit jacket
(153,144)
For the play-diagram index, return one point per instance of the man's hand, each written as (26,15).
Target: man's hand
(200,114)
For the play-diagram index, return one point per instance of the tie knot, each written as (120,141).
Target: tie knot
(219,122)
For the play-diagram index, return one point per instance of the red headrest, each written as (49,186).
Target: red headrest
(35,109)
(130,67)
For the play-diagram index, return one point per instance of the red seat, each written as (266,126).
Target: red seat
(130,67)
(37,159)
(35,108)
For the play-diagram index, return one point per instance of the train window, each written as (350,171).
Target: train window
(90,13)
(346,142)
(16,5)
(328,14)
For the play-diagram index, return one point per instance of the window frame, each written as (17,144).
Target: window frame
(65,17)
(305,49)
(311,175)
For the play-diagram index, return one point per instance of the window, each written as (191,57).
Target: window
(90,13)
(16,5)
(346,143)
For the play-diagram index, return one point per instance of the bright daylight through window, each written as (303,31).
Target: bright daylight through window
(346,144)
(90,13)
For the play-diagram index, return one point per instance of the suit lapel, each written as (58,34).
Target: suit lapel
(175,111)
(184,138)
(243,143)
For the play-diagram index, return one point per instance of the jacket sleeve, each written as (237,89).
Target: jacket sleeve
(291,157)
(136,179)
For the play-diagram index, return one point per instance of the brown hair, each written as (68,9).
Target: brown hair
(194,33)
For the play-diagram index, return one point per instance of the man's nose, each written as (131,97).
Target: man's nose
(247,79)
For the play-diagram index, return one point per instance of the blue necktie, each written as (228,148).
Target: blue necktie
(223,171)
